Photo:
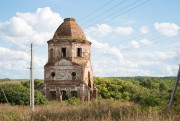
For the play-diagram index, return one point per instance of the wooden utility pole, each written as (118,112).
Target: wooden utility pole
(32,80)
(30,85)
(174,90)
(5,96)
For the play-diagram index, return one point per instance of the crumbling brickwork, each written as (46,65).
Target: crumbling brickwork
(68,71)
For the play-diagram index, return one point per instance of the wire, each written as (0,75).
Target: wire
(101,7)
(119,10)
(104,12)
(108,17)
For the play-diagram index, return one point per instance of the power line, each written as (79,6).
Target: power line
(108,17)
(101,7)
(126,49)
(119,10)
(104,12)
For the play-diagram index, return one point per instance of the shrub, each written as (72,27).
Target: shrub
(19,95)
(37,84)
(73,100)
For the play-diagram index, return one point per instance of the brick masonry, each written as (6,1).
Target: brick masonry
(68,71)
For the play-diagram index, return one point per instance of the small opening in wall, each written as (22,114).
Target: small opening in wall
(73,74)
(63,52)
(74,94)
(64,95)
(51,53)
(53,95)
(89,79)
(79,52)
(53,75)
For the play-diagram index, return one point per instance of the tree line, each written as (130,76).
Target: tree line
(146,91)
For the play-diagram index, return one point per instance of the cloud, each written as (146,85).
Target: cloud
(144,30)
(134,44)
(7,54)
(18,60)
(14,63)
(102,30)
(124,30)
(107,59)
(146,42)
(21,30)
(167,29)
(26,28)
(99,30)
(104,48)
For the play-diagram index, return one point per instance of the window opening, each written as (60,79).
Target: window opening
(53,95)
(73,74)
(74,94)
(63,52)
(79,52)
(53,75)
(89,80)
(64,95)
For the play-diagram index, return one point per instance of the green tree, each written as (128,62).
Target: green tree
(19,95)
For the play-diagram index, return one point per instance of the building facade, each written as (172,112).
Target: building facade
(68,72)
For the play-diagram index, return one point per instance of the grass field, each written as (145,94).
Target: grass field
(9,82)
(101,110)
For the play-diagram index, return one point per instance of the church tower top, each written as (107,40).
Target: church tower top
(69,30)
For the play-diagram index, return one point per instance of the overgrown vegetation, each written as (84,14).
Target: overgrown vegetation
(120,99)
(147,91)
(101,110)
(18,94)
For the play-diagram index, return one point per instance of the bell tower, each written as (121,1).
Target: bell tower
(68,72)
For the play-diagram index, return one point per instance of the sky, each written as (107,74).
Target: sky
(129,37)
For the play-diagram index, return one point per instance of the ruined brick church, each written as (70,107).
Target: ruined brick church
(68,72)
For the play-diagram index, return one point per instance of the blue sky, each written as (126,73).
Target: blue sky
(129,37)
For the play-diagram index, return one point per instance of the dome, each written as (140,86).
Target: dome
(70,30)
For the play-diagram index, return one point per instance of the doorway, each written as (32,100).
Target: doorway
(64,95)
(53,95)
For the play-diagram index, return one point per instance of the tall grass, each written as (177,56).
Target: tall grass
(101,110)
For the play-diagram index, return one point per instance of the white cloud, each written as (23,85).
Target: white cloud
(108,60)
(12,60)
(7,54)
(19,32)
(26,28)
(99,30)
(124,30)
(43,20)
(146,42)
(134,44)
(167,29)
(144,30)
(104,48)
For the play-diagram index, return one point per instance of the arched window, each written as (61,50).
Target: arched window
(53,75)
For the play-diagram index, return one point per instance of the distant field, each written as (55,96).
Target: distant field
(9,82)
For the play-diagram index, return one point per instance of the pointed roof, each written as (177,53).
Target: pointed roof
(69,30)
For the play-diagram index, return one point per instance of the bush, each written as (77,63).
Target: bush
(73,100)
(19,95)
(38,84)
(148,91)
